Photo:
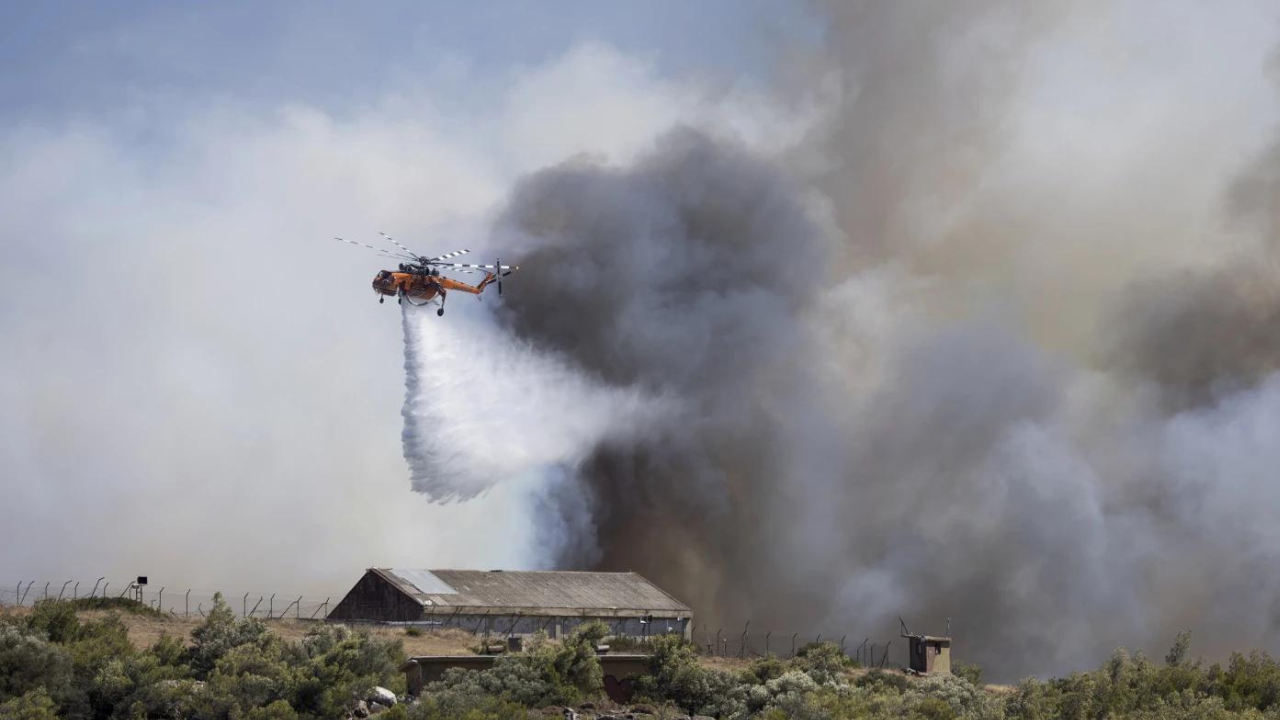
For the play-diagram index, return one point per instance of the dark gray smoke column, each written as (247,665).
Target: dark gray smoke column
(891,390)
(684,276)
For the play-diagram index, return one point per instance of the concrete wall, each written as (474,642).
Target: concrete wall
(556,627)
(620,671)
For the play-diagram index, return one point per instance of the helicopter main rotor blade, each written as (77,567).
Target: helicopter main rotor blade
(378,250)
(412,254)
(508,268)
(446,256)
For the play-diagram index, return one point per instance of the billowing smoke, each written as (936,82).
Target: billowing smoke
(934,361)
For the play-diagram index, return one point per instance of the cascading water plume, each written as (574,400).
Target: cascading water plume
(481,409)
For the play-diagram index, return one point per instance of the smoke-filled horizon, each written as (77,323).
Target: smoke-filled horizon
(966,350)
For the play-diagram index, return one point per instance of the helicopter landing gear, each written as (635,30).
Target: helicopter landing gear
(380,299)
(440,312)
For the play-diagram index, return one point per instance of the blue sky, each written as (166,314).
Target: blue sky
(83,58)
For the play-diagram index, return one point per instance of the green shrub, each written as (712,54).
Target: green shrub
(676,676)
(575,661)
(118,604)
(764,670)
(971,672)
(219,634)
(483,707)
(57,621)
(280,710)
(881,681)
(29,662)
(1177,654)
(334,667)
(824,662)
(33,705)
(935,709)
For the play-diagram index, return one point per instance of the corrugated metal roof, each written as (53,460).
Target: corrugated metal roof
(424,580)
(572,592)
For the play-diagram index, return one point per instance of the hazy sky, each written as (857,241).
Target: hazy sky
(197,383)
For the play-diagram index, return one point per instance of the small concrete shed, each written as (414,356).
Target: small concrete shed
(929,654)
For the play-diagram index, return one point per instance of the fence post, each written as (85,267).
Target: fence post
(17,594)
(298,607)
(766,643)
(104,589)
(842,637)
(46,591)
(64,589)
(793,644)
(186,605)
(24,593)
(713,652)
(75,591)
(255,606)
(885,657)
(742,651)
(244,606)
(95,585)
(325,606)
(271,606)
(160,602)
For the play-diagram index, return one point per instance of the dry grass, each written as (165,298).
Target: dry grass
(730,664)
(145,630)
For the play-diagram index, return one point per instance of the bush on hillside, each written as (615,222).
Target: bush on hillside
(33,705)
(967,670)
(824,662)
(115,604)
(29,662)
(219,633)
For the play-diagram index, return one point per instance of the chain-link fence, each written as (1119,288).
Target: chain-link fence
(748,643)
(176,602)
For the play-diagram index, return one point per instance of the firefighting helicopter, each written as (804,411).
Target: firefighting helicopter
(419,278)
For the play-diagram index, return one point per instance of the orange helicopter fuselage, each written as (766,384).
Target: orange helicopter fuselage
(423,287)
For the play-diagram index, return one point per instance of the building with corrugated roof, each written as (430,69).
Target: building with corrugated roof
(506,602)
